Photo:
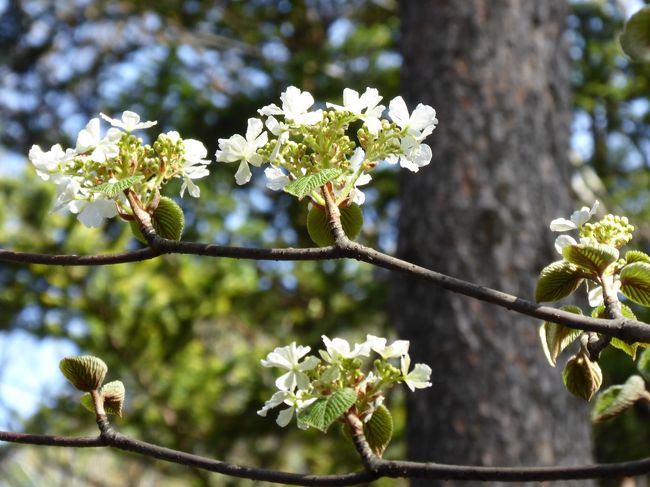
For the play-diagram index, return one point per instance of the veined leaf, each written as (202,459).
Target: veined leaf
(616,399)
(113,393)
(628,348)
(304,185)
(318,224)
(85,372)
(635,39)
(558,280)
(635,282)
(636,256)
(555,337)
(582,377)
(323,412)
(112,189)
(644,364)
(378,430)
(594,257)
(167,220)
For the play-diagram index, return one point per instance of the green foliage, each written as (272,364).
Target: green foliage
(86,372)
(636,256)
(644,364)
(378,430)
(112,189)
(628,348)
(113,395)
(167,220)
(558,280)
(555,337)
(593,257)
(616,399)
(303,186)
(319,229)
(326,410)
(635,282)
(582,377)
(635,40)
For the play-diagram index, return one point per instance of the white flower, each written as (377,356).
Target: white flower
(130,121)
(194,166)
(398,348)
(48,164)
(595,296)
(418,378)
(288,358)
(356,195)
(102,148)
(92,213)
(281,131)
(277,179)
(356,104)
(414,155)
(419,124)
(238,148)
(339,349)
(295,106)
(577,219)
(296,403)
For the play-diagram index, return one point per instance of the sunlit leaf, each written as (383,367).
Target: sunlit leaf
(635,39)
(635,282)
(582,377)
(558,280)
(323,412)
(616,399)
(378,430)
(112,189)
(555,337)
(86,372)
(304,185)
(594,257)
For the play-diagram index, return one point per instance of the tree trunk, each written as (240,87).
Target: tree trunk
(497,72)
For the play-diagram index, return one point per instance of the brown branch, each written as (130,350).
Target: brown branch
(375,466)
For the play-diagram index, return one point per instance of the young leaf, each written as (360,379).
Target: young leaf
(629,349)
(594,257)
(616,399)
(635,39)
(112,189)
(86,372)
(304,185)
(636,256)
(644,364)
(582,377)
(113,393)
(167,220)
(378,430)
(323,412)
(555,337)
(558,280)
(319,229)
(635,282)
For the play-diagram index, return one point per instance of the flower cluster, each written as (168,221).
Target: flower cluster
(92,177)
(309,378)
(297,142)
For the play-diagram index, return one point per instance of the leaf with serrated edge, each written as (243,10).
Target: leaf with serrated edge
(304,185)
(378,430)
(616,399)
(636,256)
(319,229)
(644,364)
(635,39)
(558,280)
(85,372)
(635,282)
(112,189)
(555,337)
(582,377)
(323,412)
(594,257)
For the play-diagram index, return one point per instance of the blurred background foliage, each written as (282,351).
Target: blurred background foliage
(185,334)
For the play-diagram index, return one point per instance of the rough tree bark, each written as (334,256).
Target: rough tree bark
(497,73)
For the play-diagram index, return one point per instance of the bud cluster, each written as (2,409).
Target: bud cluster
(612,230)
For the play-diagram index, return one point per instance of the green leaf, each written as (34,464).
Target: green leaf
(635,39)
(594,257)
(582,377)
(304,185)
(558,280)
(319,229)
(323,412)
(114,188)
(616,399)
(635,282)
(113,393)
(86,372)
(167,220)
(555,337)
(628,348)
(378,430)
(636,256)
(599,312)
(644,364)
